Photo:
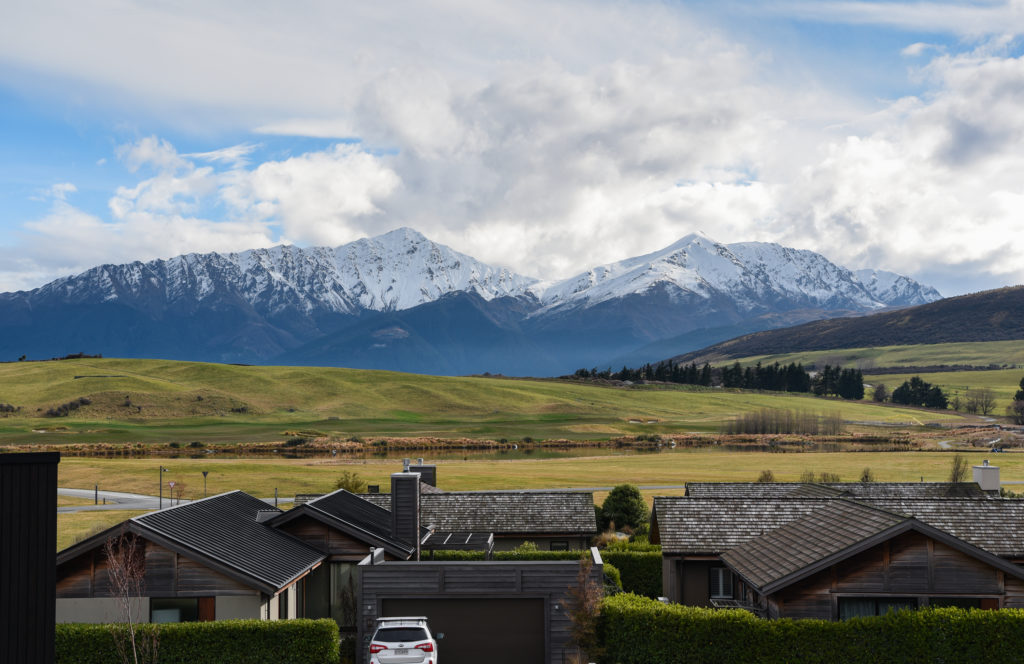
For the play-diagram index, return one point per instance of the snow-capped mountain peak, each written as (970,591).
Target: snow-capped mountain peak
(755,275)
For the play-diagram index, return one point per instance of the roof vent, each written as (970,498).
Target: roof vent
(405,465)
(266,515)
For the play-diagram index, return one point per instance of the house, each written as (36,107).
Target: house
(836,551)
(553,520)
(214,558)
(349,558)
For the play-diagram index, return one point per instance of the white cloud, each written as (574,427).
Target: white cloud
(544,136)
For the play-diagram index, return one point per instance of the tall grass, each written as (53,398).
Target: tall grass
(767,421)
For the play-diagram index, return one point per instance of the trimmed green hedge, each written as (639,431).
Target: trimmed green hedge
(224,642)
(637,630)
(641,570)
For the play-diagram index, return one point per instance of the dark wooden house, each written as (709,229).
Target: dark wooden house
(836,557)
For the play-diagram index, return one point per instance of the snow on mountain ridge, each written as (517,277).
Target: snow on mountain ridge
(402,269)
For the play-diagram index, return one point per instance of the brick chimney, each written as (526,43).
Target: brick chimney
(405,509)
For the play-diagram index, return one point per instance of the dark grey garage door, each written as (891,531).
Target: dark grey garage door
(496,631)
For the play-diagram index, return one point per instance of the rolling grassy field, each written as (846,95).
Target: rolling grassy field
(291,476)
(983,353)
(162,401)
(75,526)
(1003,383)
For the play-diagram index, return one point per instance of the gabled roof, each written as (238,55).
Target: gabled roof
(504,512)
(685,525)
(223,533)
(835,489)
(353,515)
(836,531)
(834,527)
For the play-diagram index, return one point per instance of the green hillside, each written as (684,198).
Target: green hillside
(996,315)
(977,354)
(164,401)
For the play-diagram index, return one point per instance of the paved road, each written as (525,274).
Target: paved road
(118,500)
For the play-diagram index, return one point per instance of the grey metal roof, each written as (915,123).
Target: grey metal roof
(223,529)
(446,541)
(504,512)
(836,489)
(355,515)
(830,530)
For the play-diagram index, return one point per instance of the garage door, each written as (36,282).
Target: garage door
(497,631)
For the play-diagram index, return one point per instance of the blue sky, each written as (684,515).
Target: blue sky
(543,136)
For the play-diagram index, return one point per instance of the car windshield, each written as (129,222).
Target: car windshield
(400,634)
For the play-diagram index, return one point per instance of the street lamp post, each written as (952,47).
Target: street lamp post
(205,473)
(162,471)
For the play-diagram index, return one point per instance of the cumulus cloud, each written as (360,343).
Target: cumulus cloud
(542,136)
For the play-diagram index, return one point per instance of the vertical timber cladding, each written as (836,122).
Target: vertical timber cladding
(28,556)
(489,611)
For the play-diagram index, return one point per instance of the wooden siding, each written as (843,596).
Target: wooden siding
(909,565)
(28,550)
(167,574)
(542,580)
(336,544)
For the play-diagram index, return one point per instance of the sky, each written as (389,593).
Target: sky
(544,136)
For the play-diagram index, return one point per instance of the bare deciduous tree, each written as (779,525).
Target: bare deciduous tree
(867,476)
(766,476)
(583,606)
(126,571)
(958,469)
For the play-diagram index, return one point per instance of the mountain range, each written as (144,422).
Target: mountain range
(400,301)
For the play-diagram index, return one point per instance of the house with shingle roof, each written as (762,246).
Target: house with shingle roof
(837,551)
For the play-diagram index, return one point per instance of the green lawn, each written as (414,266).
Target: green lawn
(161,401)
(290,476)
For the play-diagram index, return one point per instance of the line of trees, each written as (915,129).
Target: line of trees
(830,381)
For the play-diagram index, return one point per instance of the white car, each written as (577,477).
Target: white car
(403,641)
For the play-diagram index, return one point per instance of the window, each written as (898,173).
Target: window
(173,609)
(720,583)
(282,605)
(559,545)
(856,607)
(343,595)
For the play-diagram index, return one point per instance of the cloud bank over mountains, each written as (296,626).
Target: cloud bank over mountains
(540,136)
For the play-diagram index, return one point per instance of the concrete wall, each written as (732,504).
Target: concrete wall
(99,609)
(236,608)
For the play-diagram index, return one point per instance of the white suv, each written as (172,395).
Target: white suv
(403,641)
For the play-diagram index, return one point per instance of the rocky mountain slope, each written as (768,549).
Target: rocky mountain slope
(400,301)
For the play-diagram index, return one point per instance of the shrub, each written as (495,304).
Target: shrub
(625,507)
(224,641)
(612,579)
(635,630)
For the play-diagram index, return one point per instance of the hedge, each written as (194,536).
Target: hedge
(637,630)
(641,570)
(224,642)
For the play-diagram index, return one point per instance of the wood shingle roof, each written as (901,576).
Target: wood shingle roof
(830,530)
(504,512)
